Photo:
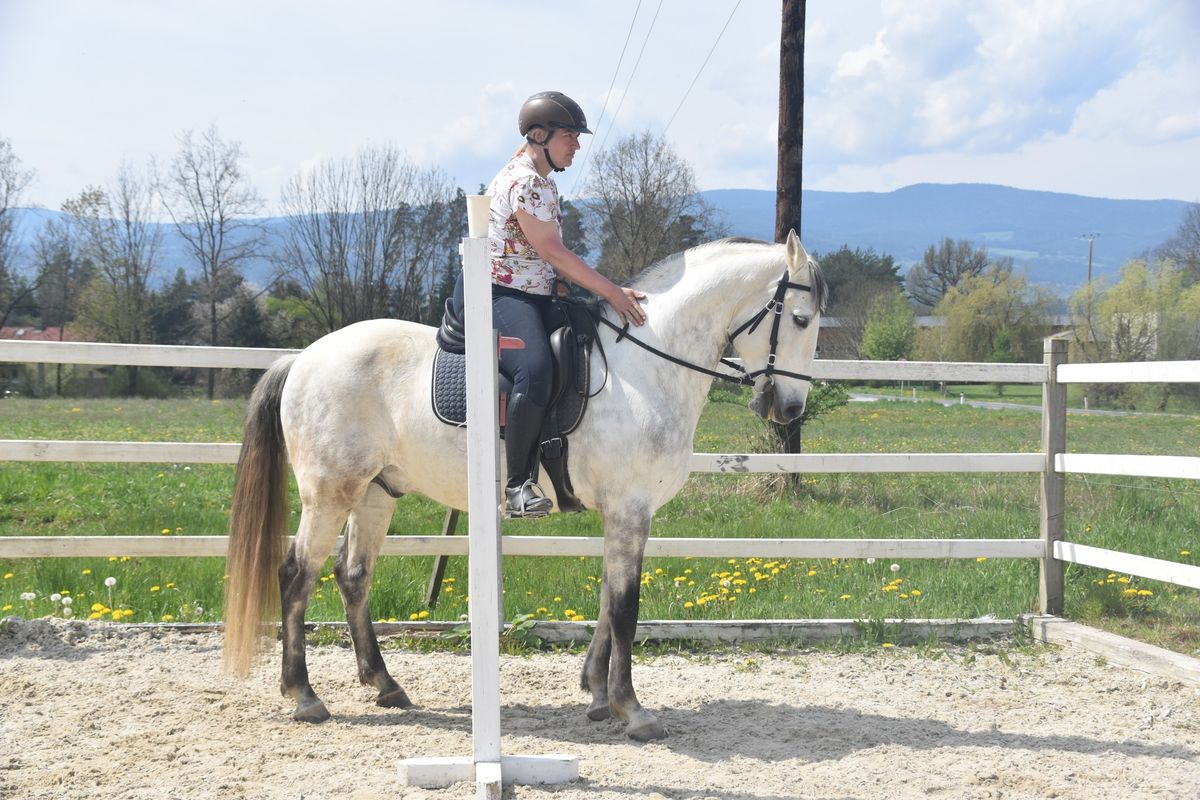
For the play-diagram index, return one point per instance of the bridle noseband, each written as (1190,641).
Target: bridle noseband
(775,304)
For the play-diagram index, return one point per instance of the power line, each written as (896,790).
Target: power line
(625,92)
(608,94)
(702,66)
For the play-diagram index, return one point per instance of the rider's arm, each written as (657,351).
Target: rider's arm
(545,239)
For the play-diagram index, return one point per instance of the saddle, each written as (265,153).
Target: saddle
(571,348)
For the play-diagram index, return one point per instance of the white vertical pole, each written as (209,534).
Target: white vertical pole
(486,766)
(483,485)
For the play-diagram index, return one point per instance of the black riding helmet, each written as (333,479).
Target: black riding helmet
(550,111)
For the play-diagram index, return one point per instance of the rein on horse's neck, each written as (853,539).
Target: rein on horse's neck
(705,293)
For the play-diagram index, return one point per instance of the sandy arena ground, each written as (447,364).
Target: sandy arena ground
(94,711)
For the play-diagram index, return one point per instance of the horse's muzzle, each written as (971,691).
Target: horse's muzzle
(767,404)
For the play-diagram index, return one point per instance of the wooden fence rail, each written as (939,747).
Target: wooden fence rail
(1052,463)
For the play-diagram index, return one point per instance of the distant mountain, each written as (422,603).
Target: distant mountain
(1040,230)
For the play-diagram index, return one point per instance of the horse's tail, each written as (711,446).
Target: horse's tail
(258,524)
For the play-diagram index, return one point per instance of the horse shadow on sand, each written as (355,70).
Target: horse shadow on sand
(765,731)
(754,729)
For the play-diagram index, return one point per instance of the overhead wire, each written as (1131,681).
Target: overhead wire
(625,92)
(711,50)
(608,94)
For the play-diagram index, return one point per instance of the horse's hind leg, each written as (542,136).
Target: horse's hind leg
(354,568)
(297,577)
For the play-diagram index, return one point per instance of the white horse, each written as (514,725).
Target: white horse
(352,413)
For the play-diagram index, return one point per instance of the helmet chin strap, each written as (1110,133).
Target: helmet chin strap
(546,150)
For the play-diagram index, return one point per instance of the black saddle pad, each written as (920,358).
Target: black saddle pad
(450,390)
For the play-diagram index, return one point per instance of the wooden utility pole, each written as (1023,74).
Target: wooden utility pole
(790,168)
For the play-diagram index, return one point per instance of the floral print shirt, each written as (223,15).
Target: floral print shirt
(514,261)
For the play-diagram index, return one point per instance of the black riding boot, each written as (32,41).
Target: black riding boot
(522,430)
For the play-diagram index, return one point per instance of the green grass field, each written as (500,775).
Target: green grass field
(1151,517)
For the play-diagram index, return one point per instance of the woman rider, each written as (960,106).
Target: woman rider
(528,256)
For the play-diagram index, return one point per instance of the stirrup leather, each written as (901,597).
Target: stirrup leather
(527,500)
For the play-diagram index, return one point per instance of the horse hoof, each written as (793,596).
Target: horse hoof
(645,727)
(394,699)
(313,712)
(599,711)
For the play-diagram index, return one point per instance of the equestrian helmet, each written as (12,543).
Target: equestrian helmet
(551,111)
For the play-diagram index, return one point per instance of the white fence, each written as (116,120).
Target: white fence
(1052,463)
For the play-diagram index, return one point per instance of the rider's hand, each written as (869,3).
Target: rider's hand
(625,303)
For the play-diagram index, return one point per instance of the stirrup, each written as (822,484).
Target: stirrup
(528,501)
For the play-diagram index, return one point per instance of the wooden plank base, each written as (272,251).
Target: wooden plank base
(440,771)
(1117,649)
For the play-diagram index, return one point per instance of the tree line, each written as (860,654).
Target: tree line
(375,235)
(368,236)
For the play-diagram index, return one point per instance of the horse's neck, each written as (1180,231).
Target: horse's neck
(692,316)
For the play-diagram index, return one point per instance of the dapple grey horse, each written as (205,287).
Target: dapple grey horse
(352,414)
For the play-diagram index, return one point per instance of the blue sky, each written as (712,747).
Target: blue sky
(1083,96)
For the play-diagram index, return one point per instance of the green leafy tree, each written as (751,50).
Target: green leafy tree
(979,307)
(891,328)
(1151,313)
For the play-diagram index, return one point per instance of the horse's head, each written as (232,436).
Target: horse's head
(777,350)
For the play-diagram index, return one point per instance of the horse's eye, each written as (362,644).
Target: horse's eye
(800,320)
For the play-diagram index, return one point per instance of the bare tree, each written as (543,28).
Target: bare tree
(942,268)
(365,237)
(1184,247)
(116,233)
(14,179)
(645,205)
(212,205)
(62,275)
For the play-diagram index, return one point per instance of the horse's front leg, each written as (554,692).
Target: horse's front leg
(625,534)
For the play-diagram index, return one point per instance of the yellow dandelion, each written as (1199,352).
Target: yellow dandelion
(1123,579)
(916,592)
(112,558)
(1129,593)
(154,588)
(689,604)
(8,576)
(558,599)
(167,618)
(423,615)
(981,559)
(887,644)
(844,597)
(7,607)
(1185,552)
(412,617)
(165,531)
(1145,593)
(812,573)
(87,572)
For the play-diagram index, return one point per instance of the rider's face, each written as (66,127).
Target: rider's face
(563,147)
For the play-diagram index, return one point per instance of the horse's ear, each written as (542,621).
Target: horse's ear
(797,256)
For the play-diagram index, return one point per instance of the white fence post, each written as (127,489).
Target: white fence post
(1053,484)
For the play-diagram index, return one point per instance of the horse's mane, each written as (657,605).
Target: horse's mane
(667,270)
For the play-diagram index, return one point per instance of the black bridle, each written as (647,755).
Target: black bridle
(774,305)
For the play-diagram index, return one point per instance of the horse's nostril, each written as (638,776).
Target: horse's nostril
(793,411)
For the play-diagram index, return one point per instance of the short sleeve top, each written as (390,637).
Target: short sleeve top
(514,261)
